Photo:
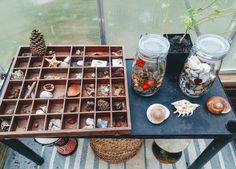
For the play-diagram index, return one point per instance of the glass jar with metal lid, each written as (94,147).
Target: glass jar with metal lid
(203,64)
(150,63)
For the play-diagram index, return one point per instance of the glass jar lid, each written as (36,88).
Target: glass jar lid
(152,46)
(212,46)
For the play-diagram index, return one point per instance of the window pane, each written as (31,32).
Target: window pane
(62,22)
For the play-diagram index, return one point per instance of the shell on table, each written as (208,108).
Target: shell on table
(157,113)
(184,107)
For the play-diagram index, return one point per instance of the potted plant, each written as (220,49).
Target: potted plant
(180,44)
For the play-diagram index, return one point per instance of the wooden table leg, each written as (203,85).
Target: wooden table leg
(22,149)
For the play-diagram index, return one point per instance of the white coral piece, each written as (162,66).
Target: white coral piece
(184,107)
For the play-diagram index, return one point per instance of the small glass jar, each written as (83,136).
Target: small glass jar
(150,63)
(203,64)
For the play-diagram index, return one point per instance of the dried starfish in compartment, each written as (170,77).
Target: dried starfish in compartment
(53,62)
(18,75)
(184,107)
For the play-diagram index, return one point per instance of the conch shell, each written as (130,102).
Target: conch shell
(184,107)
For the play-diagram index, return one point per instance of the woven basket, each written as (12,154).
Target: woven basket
(4,154)
(115,150)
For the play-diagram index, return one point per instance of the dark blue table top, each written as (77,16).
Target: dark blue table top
(202,124)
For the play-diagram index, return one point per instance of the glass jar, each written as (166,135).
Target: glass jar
(149,66)
(203,64)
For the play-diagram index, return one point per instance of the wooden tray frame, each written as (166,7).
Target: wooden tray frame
(25,62)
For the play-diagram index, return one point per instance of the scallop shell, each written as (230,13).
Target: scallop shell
(160,115)
(73,90)
(46,94)
(184,107)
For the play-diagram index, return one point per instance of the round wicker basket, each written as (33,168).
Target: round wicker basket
(115,150)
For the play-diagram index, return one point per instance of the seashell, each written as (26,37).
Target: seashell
(157,113)
(48,87)
(46,94)
(63,65)
(80,63)
(184,107)
(90,122)
(67,59)
(194,62)
(218,105)
(78,52)
(73,90)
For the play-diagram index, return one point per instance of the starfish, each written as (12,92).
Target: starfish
(53,62)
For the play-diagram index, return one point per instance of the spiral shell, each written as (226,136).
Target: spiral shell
(218,105)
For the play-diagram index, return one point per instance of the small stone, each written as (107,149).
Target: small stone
(36,125)
(117,106)
(78,52)
(73,109)
(80,63)
(89,105)
(89,122)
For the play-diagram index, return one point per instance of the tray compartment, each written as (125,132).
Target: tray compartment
(77,62)
(8,119)
(72,105)
(116,51)
(36,123)
(36,62)
(54,74)
(89,59)
(103,73)
(103,104)
(41,105)
(24,107)
(75,51)
(59,88)
(7,108)
(27,87)
(118,87)
(21,63)
(19,123)
(103,117)
(89,73)
(83,118)
(119,104)
(56,106)
(33,74)
(88,88)
(58,123)
(103,88)
(119,119)
(25,52)
(59,50)
(13,90)
(97,51)
(117,72)
(117,61)
(70,121)
(87,105)
(16,74)
(76,73)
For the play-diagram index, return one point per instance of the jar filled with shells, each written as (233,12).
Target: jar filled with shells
(203,64)
(150,63)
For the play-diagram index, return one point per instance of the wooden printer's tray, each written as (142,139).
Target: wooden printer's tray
(20,112)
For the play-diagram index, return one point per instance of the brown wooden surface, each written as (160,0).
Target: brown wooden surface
(37,66)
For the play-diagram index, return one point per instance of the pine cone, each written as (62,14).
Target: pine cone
(103,105)
(37,43)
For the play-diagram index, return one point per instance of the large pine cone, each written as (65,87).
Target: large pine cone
(103,105)
(37,43)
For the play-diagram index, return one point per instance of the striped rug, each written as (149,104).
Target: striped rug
(84,158)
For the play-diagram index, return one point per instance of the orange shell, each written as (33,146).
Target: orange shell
(73,90)
(217,105)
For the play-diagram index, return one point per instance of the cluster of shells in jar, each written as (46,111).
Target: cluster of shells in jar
(147,77)
(197,76)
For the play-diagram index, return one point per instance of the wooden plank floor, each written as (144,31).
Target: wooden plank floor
(84,158)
